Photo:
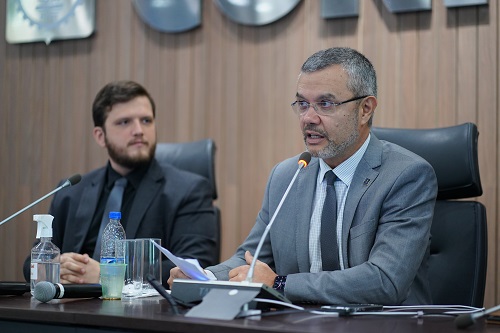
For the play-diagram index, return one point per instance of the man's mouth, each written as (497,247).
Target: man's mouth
(138,143)
(314,136)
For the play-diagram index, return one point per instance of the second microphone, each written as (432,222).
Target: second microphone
(46,291)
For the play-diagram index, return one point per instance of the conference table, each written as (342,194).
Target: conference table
(154,314)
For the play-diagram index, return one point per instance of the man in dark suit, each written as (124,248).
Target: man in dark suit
(159,201)
(378,239)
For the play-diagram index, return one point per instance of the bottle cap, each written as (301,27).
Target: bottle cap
(44,227)
(115,215)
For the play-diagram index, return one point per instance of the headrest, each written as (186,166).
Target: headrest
(196,156)
(452,152)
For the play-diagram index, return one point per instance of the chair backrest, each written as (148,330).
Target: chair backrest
(197,157)
(459,248)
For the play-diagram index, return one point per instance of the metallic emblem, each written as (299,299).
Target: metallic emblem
(256,12)
(170,15)
(463,3)
(398,6)
(47,20)
(339,8)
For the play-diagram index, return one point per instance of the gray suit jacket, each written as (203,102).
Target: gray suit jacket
(386,231)
(170,204)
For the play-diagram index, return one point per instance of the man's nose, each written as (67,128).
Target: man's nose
(137,127)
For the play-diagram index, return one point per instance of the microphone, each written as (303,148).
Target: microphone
(225,299)
(73,180)
(14,288)
(45,291)
(304,160)
(468,319)
(159,288)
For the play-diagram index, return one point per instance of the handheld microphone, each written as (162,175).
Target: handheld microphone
(73,180)
(304,160)
(45,291)
(468,319)
(14,288)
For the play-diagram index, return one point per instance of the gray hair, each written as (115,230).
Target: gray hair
(362,77)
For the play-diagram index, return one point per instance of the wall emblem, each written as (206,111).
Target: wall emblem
(46,20)
(170,15)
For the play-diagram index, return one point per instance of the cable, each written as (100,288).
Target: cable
(272,301)
(418,311)
(163,292)
(452,309)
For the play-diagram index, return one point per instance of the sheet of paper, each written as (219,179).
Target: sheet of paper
(190,267)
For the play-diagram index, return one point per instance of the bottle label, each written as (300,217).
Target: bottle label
(108,260)
(34,271)
(112,260)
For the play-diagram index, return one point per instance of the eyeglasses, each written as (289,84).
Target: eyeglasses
(323,108)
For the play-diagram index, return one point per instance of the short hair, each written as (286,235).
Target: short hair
(114,93)
(362,77)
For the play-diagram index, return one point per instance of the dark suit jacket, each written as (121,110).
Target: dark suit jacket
(385,237)
(170,204)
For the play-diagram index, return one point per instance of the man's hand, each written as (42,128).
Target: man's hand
(262,272)
(79,268)
(175,273)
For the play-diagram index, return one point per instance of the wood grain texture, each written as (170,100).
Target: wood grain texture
(234,84)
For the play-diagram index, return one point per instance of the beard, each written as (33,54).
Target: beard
(121,157)
(334,149)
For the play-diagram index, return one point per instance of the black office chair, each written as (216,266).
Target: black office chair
(197,157)
(459,247)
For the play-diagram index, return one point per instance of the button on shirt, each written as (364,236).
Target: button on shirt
(345,173)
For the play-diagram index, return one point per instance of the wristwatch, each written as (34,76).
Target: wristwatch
(279,282)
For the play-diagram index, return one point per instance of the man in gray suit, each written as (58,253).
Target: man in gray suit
(159,200)
(385,198)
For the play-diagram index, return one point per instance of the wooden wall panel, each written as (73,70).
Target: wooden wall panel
(427,57)
(487,121)
(467,65)
(447,62)
(235,83)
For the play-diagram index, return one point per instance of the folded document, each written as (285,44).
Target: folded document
(190,267)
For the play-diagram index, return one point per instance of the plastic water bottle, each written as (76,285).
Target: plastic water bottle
(113,232)
(45,262)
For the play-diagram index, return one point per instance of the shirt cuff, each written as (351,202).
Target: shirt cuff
(210,274)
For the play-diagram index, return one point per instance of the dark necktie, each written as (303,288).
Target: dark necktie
(113,204)
(329,247)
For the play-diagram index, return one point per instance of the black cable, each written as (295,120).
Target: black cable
(272,313)
(318,310)
(159,288)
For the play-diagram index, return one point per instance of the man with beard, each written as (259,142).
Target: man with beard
(358,235)
(159,201)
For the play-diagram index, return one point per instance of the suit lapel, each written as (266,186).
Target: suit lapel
(303,198)
(364,177)
(84,213)
(147,191)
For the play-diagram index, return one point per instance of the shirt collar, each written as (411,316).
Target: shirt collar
(134,177)
(345,170)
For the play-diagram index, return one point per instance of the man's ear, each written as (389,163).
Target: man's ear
(368,106)
(99,136)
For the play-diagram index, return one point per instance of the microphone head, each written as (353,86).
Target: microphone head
(75,179)
(44,291)
(305,158)
(464,320)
